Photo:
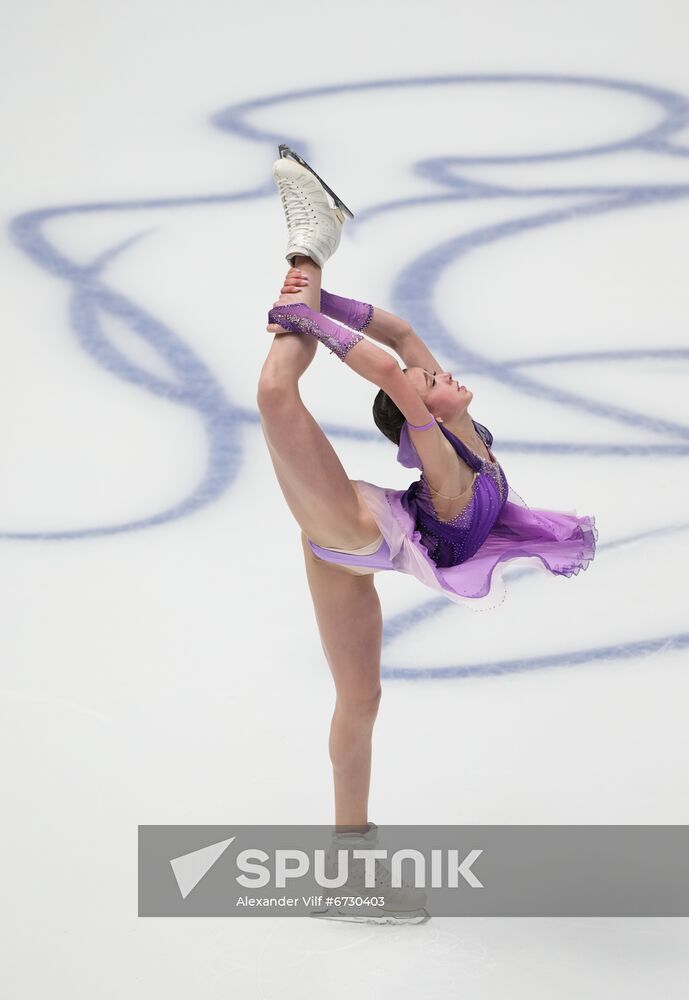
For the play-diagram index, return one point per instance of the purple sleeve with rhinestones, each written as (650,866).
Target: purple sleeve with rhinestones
(348,311)
(297,317)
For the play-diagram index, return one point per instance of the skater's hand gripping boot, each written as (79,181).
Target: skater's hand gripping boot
(351,312)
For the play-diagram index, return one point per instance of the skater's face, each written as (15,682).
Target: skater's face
(442,394)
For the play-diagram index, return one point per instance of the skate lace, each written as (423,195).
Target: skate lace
(296,207)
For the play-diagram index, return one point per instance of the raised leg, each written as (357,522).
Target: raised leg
(341,601)
(313,481)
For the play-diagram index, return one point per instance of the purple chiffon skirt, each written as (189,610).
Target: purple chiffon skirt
(557,542)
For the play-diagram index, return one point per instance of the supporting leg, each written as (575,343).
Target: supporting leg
(350,622)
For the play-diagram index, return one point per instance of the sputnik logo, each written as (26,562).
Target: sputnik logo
(189,869)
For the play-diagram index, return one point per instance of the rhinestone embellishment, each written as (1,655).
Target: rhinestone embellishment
(296,323)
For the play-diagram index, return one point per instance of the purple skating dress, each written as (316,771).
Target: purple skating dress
(464,558)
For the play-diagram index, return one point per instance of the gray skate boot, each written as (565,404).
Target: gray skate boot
(379,904)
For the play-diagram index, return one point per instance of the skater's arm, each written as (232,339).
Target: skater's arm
(372,363)
(378,366)
(438,457)
(414,352)
(396,333)
(389,330)
(382,369)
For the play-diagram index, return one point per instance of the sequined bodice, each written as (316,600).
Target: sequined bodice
(454,541)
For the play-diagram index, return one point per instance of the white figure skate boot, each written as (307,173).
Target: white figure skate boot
(313,224)
(405,905)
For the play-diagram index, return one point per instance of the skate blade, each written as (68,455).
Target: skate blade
(382,917)
(287,153)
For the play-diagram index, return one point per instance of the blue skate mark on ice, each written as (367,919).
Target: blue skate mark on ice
(575,658)
(191,384)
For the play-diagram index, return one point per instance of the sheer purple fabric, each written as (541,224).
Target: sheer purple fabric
(351,312)
(465,559)
(297,317)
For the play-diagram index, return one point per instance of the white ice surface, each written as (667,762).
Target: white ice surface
(171,672)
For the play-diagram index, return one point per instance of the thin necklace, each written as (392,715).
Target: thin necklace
(458,495)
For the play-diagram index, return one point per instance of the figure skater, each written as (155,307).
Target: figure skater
(454,528)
